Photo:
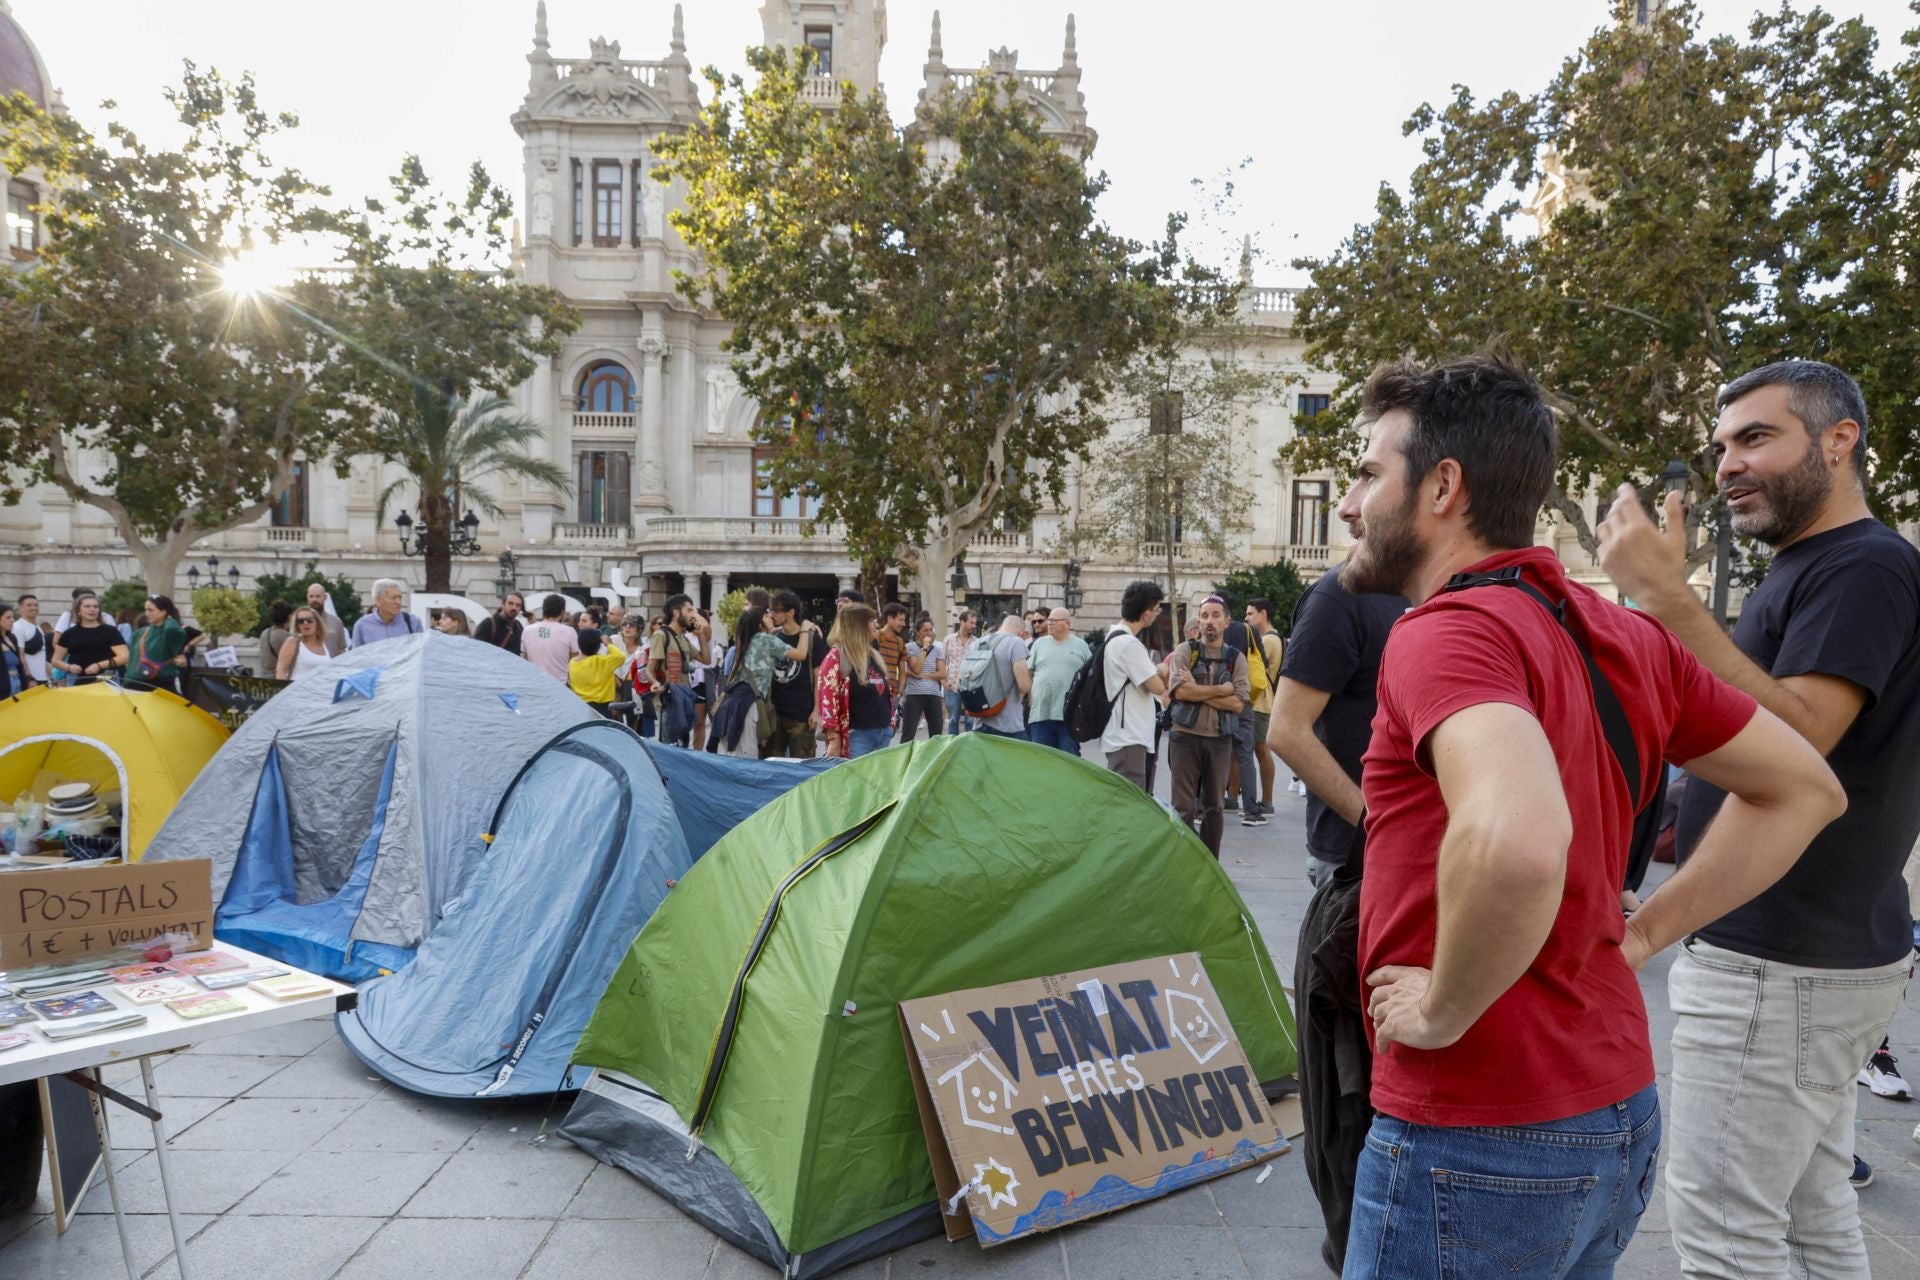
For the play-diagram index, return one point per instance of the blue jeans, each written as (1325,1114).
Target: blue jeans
(958,721)
(1053,733)
(861,741)
(1518,1202)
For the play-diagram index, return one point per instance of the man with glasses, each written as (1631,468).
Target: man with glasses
(1134,685)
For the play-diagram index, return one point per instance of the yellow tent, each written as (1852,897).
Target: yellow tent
(145,747)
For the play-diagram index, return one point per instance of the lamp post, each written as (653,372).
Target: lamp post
(464,541)
(193,577)
(1072,594)
(503,584)
(233,576)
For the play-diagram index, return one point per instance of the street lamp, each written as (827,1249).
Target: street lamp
(408,545)
(1073,595)
(463,542)
(1677,476)
(193,577)
(958,581)
(233,576)
(504,583)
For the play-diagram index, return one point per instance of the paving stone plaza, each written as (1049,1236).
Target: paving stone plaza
(294,1162)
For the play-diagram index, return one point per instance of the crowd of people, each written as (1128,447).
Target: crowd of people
(148,648)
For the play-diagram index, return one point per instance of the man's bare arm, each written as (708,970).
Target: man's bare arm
(1502,870)
(1296,708)
(1780,793)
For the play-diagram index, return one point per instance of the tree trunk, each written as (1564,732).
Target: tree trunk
(933,562)
(159,566)
(873,580)
(436,528)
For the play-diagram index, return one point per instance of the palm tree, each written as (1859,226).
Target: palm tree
(449,449)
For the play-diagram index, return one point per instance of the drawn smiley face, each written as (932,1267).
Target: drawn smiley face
(985,1101)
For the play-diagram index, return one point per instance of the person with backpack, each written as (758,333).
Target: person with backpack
(1243,773)
(857,712)
(995,678)
(1129,685)
(672,654)
(1210,688)
(1513,1074)
(1055,659)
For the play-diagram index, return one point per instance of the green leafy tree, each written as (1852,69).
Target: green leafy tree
(222,611)
(452,450)
(128,593)
(931,318)
(1728,202)
(138,383)
(1279,582)
(269,587)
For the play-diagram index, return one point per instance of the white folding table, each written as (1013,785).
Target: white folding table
(163,1032)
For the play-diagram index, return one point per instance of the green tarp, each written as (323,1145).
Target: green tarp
(759,1000)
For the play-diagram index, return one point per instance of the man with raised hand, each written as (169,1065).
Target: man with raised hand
(1782,1001)
(1513,1075)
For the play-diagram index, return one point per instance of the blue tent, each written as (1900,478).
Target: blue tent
(713,794)
(582,849)
(345,815)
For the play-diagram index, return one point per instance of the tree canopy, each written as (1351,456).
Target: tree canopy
(1717,203)
(138,383)
(930,318)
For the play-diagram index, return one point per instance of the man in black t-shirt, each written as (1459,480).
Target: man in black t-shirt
(1781,1002)
(1323,705)
(795,718)
(502,629)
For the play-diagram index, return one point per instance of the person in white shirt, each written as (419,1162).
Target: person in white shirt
(26,629)
(1134,684)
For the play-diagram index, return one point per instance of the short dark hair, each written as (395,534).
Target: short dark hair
(894,610)
(1139,597)
(1263,604)
(758,597)
(589,642)
(786,602)
(675,601)
(1817,394)
(1487,413)
(852,596)
(278,612)
(553,606)
(28,595)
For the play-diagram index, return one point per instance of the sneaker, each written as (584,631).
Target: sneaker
(1254,819)
(1882,1075)
(1266,807)
(1232,805)
(1862,1174)
(1298,787)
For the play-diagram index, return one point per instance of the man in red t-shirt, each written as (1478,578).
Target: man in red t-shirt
(1513,1074)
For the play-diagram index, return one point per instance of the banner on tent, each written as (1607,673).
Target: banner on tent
(1059,1098)
(68,913)
(231,698)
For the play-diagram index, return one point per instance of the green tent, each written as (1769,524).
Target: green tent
(749,1062)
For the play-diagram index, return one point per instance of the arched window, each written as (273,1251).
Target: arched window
(606,387)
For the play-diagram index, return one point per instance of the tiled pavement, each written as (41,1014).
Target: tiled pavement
(293,1162)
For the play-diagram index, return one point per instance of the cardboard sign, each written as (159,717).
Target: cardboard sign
(1056,1099)
(67,913)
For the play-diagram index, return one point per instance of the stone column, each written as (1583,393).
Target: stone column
(848,582)
(649,469)
(719,586)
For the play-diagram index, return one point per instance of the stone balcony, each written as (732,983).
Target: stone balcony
(599,536)
(605,426)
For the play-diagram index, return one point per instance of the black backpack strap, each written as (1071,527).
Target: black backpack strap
(1613,716)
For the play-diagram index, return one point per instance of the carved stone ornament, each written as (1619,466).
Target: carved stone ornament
(600,85)
(540,219)
(653,478)
(653,347)
(721,389)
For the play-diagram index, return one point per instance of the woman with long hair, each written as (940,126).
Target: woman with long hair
(749,677)
(157,647)
(14,676)
(91,647)
(306,651)
(854,697)
(924,698)
(452,622)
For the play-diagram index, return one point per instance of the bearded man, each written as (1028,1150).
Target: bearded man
(1782,1002)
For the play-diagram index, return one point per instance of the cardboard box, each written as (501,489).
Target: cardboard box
(62,914)
(1055,1099)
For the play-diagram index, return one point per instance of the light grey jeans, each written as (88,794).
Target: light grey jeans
(1760,1126)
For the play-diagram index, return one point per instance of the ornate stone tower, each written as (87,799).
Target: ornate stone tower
(1053,94)
(846,36)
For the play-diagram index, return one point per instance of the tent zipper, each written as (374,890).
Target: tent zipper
(729,1021)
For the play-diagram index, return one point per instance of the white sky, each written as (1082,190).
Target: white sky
(1315,93)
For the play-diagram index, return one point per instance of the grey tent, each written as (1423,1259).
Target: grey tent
(348,811)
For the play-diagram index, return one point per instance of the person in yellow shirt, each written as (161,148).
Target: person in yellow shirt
(590,675)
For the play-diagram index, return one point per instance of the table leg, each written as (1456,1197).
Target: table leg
(113,1184)
(166,1169)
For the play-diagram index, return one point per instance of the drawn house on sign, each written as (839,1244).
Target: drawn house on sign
(983,1091)
(1194,1025)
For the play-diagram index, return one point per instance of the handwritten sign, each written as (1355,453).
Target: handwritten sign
(231,698)
(1055,1099)
(67,913)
